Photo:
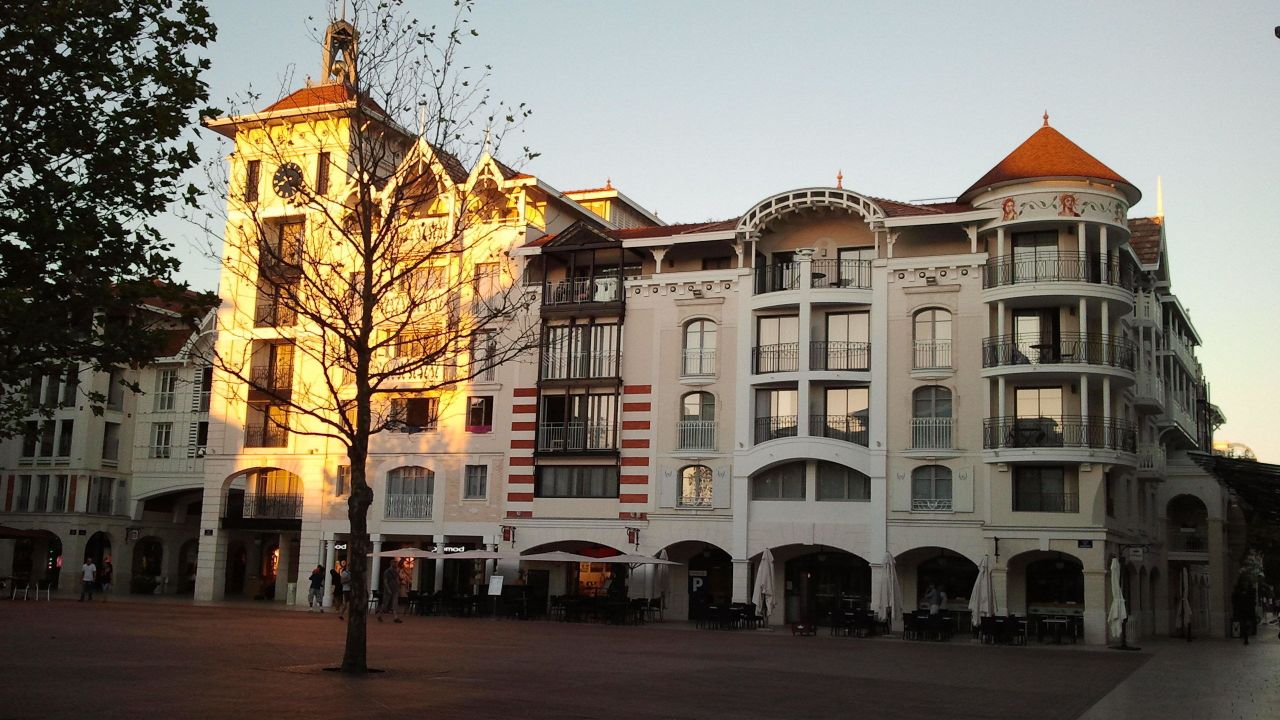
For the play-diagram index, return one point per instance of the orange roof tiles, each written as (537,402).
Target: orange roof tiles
(670,230)
(318,96)
(1046,154)
(894,208)
(1146,238)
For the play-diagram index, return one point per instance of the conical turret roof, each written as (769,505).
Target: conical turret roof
(1048,154)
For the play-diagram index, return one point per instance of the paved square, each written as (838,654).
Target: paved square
(128,659)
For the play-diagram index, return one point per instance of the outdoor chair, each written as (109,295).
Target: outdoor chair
(375,599)
(653,609)
(20,586)
(46,586)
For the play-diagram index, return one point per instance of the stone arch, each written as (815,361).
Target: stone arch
(954,572)
(1044,578)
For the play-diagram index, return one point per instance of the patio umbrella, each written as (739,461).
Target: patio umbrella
(1184,603)
(558,556)
(1117,613)
(474,555)
(762,591)
(889,594)
(661,577)
(982,600)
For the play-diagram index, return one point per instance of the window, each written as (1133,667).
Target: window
(46,438)
(42,494)
(267,425)
(1035,256)
(252,179)
(206,388)
(783,482)
(33,389)
(697,429)
(578,422)
(22,501)
(59,494)
(66,431)
(777,341)
(202,437)
(855,266)
(1043,489)
(322,174)
(161,440)
(931,488)
(776,414)
(417,413)
(1035,337)
(931,417)
(932,332)
(411,480)
(70,382)
(342,481)
(846,415)
(700,348)
(30,438)
(166,387)
(726,262)
(696,482)
(479,414)
(846,346)
(576,481)
(1038,420)
(51,391)
(475,484)
(837,482)
(100,495)
(484,351)
(115,389)
(486,288)
(284,246)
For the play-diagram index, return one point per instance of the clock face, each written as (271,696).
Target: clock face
(288,180)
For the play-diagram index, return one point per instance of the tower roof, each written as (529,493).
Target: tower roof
(1047,154)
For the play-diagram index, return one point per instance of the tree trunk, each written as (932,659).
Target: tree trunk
(354,656)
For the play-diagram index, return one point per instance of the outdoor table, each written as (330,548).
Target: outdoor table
(1056,625)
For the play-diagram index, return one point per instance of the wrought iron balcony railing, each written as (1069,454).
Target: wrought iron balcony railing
(1060,266)
(781,276)
(781,357)
(577,436)
(265,436)
(839,355)
(699,499)
(849,428)
(577,291)
(931,433)
(696,435)
(840,274)
(1066,431)
(774,427)
(579,365)
(932,354)
(1068,348)
(931,504)
(279,506)
(408,506)
(699,363)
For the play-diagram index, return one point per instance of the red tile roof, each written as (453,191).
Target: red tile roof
(172,342)
(319,95)
(894,208)
(670,230)
(1046,154)
(1146,235)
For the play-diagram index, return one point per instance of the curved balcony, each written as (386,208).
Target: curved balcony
(836,274)
(1064,431)
(780,357)
(1061,274)
(774,427)
(777,277)
(849,428)
(839,355)
(1035,353)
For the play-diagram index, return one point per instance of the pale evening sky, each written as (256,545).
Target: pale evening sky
(700,109)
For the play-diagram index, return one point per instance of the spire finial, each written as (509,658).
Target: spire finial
(1046,118)
(608,183)
(840,179)
(488,143)
(1159,198)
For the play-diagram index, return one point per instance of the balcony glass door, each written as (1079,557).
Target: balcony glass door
(845,417)
(1035,336)
(1035,256)
(776,413)
(1038,413)
(776,341)
(847,342)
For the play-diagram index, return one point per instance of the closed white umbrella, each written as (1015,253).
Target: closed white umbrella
(982,600)
(661,578)
(1184,604)
(889,594)
(762,590)
(1117,613)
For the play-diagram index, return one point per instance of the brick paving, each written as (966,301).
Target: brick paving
(138,660)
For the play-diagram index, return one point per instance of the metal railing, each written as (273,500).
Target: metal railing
(273,315)
(699,362)
(579,365)
(280,506)
(408,506)
(1149,387)
(696,435)
(701,500)
(931,504)
(272,377)
(1152,458)
(265,436)
(781,276)
(782,357)
(774,427)
(840,274)
(1146,307)
(848,428)
(582,290)
(1060,266)
(1066,431)
(1068,348)
(1062,502)
(577,436)
(1175,345)
(839,355)
(1197,542)
(932,354)
(931,433)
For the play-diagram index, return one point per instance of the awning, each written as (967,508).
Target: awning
(12,533)
(558,556)
(1255,483)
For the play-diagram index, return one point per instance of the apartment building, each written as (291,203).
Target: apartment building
(122,484)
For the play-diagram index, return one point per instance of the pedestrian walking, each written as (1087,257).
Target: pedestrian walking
(88,578)
(105,576)
(390,593)
(345,577)
(335,588)
(315,598)
(1242,609)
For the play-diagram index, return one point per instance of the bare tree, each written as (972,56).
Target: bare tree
(379,259)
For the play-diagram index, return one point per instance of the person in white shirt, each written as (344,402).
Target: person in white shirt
(88,578)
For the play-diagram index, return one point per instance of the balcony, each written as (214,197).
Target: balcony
(1152,459)
(1067,431)
(577,437)
(271,379)
(410,369)
(1181,350)
(1046,502)
(1149,390)
(932,355)
(1189,539)
(931,504)
(1060,266)
(854,274)
(932,433)
(265,436)
(579,366)
(774,427)
(839,355)
(782,357)
(1067,349)
(849,428)
(581,291)
(273,315)
(272,506)
(411,506)
(696,435)
(699,363)
(778,277)
(1147,309)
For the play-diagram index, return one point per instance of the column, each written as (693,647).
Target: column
(741,580)
(437,577)
(1095,607)
(211,561)
(1105,316)
(1219,589)
(375,567)
(283,571)
(1000,242)
(1000,586)
(803,405)
(329,553)
(1102,257)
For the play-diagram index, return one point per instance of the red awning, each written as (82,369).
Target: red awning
(11,533)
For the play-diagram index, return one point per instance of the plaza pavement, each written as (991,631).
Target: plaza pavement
(170,660)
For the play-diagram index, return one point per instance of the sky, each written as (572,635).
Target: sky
(698,110)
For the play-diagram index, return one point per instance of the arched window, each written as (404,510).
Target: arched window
(695,486)
(409,493)
(932,333)
(700,348)
(837,482)
(697,429)
(931,418)
(781,482)
(931,488)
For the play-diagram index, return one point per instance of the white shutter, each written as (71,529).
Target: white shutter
(899,492)
(668,482)
(962,489)
(722,488)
